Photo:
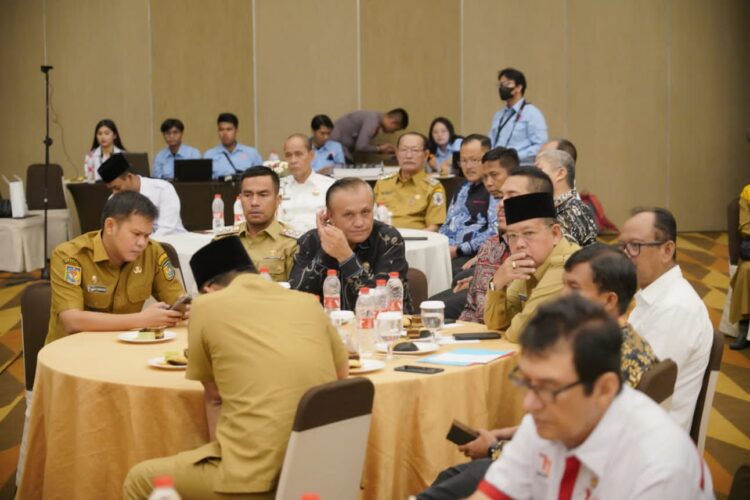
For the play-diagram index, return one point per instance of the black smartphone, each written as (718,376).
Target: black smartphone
(488,335)
(427,370)
(461,433)
(182,303)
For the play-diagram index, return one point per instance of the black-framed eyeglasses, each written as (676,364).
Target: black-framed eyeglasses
(633,248)
(547,396)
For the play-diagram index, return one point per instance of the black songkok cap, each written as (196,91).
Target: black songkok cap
(529,206)
(219,257)
(114,167)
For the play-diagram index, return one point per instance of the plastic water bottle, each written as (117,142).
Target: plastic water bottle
(217,208)
(395,293)
(265,274)
(273,156)
(331,292)
(365,312)
(239,215)
(381,296)
(164,489)
(383,214)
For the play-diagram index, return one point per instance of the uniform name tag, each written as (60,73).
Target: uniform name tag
(96,288)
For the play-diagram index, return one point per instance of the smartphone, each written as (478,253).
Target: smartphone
(460,433)
(488,335)
(427,370)
(182,303)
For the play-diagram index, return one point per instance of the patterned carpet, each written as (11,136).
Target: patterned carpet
(702,256)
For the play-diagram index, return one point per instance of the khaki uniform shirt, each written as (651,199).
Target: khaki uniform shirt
(416,203)
(274,248)
(262,360)
(83,278)
(511,309)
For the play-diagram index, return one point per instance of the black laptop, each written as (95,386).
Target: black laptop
(138,163)
(193,170)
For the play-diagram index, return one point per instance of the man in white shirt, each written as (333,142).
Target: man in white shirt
(116,173)
(668,313)
(303,192)
(586,435)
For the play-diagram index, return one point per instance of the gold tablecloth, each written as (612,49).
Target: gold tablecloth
(98,409)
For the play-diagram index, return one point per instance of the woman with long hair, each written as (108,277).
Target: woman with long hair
(442,142)
(106,143)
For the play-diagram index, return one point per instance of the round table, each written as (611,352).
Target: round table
(99,409)
(425,250)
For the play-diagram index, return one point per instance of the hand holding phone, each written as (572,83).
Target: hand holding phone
(181,304)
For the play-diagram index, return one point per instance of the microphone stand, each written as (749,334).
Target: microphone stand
(47,144)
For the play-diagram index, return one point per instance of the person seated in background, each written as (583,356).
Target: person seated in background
(106,143)
(303,192)
(472,214)
(328,153)
(271,244)
(356,130)
(415,200)
(532,274)
(560,144)
(230,157)
(172,130)
(598,273)
(101,279)
(349,240)
(668,312)
(233,346)
(586,434)
(574,216)
(519,125)
(442,143)
(739,307)
(116,173)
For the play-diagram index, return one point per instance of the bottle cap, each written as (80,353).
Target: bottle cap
(163,482)
(263,270)
(217,195)
(331,272)
(380,282)
(393,275)
(364,291)
(310,496)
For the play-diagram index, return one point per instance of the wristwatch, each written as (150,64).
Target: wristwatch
(492,286)
(495,449)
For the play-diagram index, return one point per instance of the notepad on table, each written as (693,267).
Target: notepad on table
(466,357)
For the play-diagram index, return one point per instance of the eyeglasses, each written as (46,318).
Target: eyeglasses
(633,248)
(546,396)
(414,151)
(469,161)
(512,237)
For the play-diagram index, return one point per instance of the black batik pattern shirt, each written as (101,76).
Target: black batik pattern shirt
(576,219)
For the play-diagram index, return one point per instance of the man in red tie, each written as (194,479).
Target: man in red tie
(586,435)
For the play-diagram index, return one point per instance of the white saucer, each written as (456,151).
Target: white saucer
(132,337)
(368,365)
(158,362)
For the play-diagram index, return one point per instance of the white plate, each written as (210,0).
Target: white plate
(424,348)
(158,362)
(132,337)
(368,365)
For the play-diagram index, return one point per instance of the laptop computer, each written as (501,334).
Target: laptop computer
(138,163)
(193,170)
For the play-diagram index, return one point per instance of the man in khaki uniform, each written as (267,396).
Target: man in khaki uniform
(270,243)
(101,279)
(247,350)
(532,273)
(416,200)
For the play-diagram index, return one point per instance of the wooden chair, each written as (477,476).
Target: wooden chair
(658,382)
(417,287)
(35,311)
(35,187)
(326,450)
(706,396)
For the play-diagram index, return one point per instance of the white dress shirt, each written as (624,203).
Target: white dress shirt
(674,320)
(163,195)
(636,451)
(301,201)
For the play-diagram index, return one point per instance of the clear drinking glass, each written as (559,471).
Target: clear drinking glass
(344,323)
(433,315)
(388,327)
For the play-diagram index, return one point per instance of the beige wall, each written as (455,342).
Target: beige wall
(653,92)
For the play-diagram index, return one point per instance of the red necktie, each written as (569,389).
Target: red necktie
(568,482)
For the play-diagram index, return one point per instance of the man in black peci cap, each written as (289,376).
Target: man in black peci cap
(255,361)
(118,176)
(532,274)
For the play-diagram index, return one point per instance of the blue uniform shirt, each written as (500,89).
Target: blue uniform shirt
(471,219)
(164,161)
(523,129)
(243,157)
(441,156)
(331,153)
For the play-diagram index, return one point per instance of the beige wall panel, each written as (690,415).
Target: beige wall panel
(202,66)
(411,58)
(100,53)
(528,36)
(307,65)
(21,88)
(617,101)
(710,110)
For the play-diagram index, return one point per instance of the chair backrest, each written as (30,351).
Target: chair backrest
(35,187)
(658,381)
(733,230)
(175,259)
(326,450)
(35,311)
(417,287)
(708,388)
